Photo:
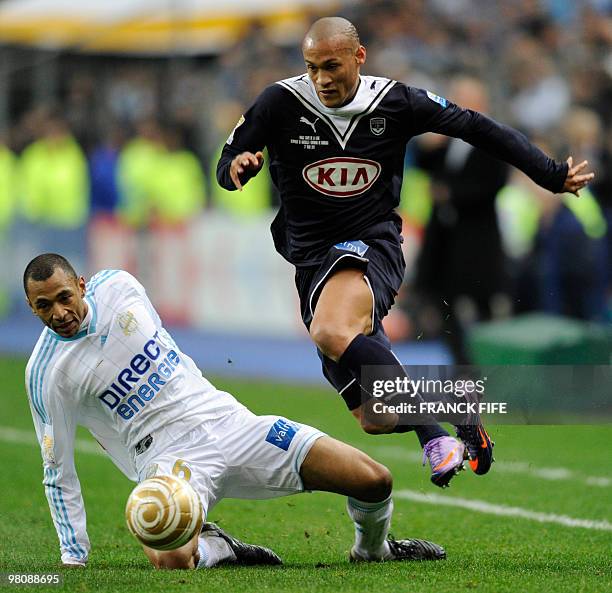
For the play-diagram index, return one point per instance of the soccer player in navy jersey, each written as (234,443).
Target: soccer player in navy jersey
(337,141)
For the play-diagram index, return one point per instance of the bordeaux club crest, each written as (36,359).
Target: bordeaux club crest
(377,125)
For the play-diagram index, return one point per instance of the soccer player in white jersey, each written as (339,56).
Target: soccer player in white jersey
(104,361)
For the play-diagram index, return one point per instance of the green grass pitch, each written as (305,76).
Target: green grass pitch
(563,471)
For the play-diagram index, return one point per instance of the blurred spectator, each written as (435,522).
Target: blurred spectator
(53,178)
(139,161)
(584,133)
(540,97)
(558,249)
(8,185)
(177,183)
(461,268)
(8,194)
(177,196)
(103,167)
(253,62)
(571,259)
(29,127)
(159,179)
(80,109)
(131,94)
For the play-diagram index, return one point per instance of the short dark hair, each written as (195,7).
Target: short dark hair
(43,266)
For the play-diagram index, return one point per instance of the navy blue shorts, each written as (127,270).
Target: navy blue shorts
(383,266)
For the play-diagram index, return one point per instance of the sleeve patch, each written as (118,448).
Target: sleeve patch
(231,136)
(48,449)
(437,99)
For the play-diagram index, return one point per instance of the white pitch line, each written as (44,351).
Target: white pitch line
(28,437)
(481,506)
(506,467)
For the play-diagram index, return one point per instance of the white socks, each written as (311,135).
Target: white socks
(372,521)
(213,549)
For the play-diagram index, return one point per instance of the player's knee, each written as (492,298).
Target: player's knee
(377,481)
(330,340)
(384,481)
(172,561)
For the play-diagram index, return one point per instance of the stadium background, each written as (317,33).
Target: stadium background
(112,115)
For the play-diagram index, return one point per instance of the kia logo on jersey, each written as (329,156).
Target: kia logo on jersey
(342,176)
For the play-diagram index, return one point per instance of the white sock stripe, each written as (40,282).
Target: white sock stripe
(367,507)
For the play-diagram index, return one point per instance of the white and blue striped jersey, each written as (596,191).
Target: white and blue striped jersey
(121,376)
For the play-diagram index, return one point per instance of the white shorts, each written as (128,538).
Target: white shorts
(240,455)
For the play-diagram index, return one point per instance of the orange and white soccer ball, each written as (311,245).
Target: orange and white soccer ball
(164,512)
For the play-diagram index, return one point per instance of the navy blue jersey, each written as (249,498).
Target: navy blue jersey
(339,170)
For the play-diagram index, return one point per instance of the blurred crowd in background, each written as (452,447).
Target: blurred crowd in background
(136,141)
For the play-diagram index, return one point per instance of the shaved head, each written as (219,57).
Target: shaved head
(333,57)
(342,32)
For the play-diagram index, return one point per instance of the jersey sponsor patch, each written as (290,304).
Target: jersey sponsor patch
(281,433)
(358,247)
(437,99)
(140,381)
(341,177)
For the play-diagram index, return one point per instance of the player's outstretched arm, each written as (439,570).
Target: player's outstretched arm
(245,162)
(575,181)
(55,426)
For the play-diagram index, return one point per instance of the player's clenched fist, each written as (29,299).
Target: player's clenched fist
(245,161)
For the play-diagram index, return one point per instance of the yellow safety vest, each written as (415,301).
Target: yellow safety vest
(8,186)
(177,187)
(54,183)
(139,161)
